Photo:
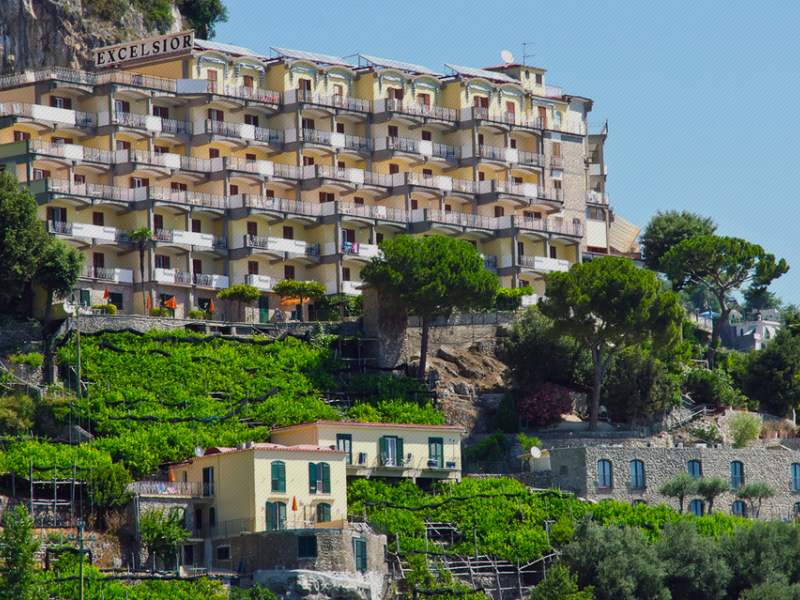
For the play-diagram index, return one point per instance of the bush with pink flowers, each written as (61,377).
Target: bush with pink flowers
(545,404)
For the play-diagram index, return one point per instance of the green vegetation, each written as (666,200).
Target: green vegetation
(242,293)
(203,15)
(161,531)
(17,558)
(289,288)
(745,428)
(668,229)
(511,298)
(431,277)
(57,271)
(608,305)
(32,359)
(679,486)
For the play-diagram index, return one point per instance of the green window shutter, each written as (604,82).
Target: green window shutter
(326,478)
(383,450)
(323,512)
(270,516)
(436,450)
(401,457)
(117,300)
(278,476)
(86,298)
(281,515)
(360,551)
(312,478)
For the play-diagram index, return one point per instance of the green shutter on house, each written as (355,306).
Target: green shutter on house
(383,451)
(323,512)
(281,515)
(326,477)
(278,476)
(436,451)
(360,551)
(117,300)
(270,517)
(401,457)
(86,297)
(312,478)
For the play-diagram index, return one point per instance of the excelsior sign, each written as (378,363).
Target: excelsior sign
(149,48)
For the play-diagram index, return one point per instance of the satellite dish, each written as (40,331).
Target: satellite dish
(69,308)
(198,452)
(507,57)
(536,452)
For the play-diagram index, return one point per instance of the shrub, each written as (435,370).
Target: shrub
(492,449)
(159,312)
(507,417)
(745,427)
(108,10)
(708,433)
(198,314)
(32,359)
(157,14)
(712,387)
(106,309)
(545,404)
(511,299)
(527,442)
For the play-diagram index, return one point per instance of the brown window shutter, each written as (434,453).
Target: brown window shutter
(426,136)
(520,249)
(288,272)
(345,273)
(50,214)
(252,228)
(53,101)
(196,226)
(358,200)
(414,204)
(499,211)
(481,176)
(233,189)
(288,232)
(252,267)
(269,193)
(378,238)
(158,222)
(250,157)
(393,169)
(98,219)
(557,149)
(213,153)
(98,260)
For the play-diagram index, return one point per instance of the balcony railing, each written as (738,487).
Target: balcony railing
(490,262)
(263,134)
(261,282)
(249,93)
(316,136)
(190,163)
(106,274)
(166,488)
(423,110)
(85,230)
(543,263)
(281,204)
(176,127)
(596,197)
(530,158)
(557,162)
(130,119)
(182,197)
(493,152)
(565,227)
(48,113)
(219,282)
(369,211)
(355,142)
(91,190)
(454,218)
(363,250)
(222,128)
(402,144)
(380,179)
(173,276)
(334,100)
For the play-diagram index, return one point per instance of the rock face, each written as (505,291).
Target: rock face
(61,33)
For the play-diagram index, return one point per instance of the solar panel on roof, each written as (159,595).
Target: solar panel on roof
(228,48)
(401,66)
(470,72)
(319,58)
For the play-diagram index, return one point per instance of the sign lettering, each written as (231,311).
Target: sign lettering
(109,56)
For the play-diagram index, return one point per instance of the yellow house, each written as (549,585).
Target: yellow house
(384,449)
(267,487)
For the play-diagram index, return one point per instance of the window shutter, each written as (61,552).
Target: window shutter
(270,517)
(281,515)
(86,298)
(312,478)
(50,214)
(326,478)
(383,450)
(400,455)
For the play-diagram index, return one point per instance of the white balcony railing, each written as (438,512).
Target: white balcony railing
(262,282)
(331,100)
(172,276)
(210,280)
(453,218)
(276,204)
(544,263)
(106,274)
(360,250)
(40,113)
(368,211)
(416,109)
(190,238)
(71,152)
(84,230)
(596,197)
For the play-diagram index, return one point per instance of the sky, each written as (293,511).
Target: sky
(700,95)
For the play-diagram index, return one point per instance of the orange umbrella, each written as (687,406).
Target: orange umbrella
(106,295)
(171,476)
(148,303)
(171,303)
(211,306)
(294,503)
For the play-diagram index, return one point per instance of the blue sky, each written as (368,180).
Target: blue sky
(700,96)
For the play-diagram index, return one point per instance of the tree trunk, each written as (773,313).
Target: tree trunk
(716,330)
(141,277)
(680,501)
(423,349)
(48,303)
(300,312)
(27,300)
(710,506)
(598,381)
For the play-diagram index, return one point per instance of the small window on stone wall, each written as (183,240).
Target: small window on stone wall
(223,553)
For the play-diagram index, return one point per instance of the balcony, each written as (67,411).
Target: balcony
(556,162)
(529,159)
(596,170)
(573,127)
(278,246)
(70,152)
(84,230)
(328,100)
(209,280)
(265,283)
(281,205)
(197,199)
(350,288)
(41,115)
(261,168)
(489,262)
(109,275)
(595,197)
(363,251)
(574,229)
(544,264)
(189,238)
(244,92)
(477,113)
(446,185)
(355,212)
(64,188)
(418,111)
(172,277)
(166,488)
(531,192)
(453,221)
(425,148)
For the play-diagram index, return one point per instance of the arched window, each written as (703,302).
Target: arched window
(604,474)
(319,478)
(278,476)
(276,516)
(637,474)
(696,508)
(737,475)
(558,117)
(323,512)
(695,469)
(740,508)
(796,477)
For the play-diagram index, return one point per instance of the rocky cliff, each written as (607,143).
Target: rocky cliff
(63,33)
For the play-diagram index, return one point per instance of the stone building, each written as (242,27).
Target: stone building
(635,474)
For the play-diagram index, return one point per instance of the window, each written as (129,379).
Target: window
(391,451)
(340,128)
(739,508)
(481,176)
(393,131)
(215,115)
(162,262)
(213,153)
(396,93)
(338,90)
(98,260)
(319,478)
(326,197)
(307,123)
(250,157)
(513,142)
(518,180)
(358,200)
(344,441)
(520,248)
(98,219)
(306,546)
(158,222)
(223,552)
(212,517)
(696,508)
(61,102)
(637,474)
(694,468)
(288,272)
(252,267)
(737,475)
(288,232)
(251,120)
(796,477)
(553,252)
(198,518)
(435,452)
(161,149)
(448,208)
(596,214)
(538,79)
(305,84)
(278,476)
(424,99)
(178,186)
(308,161)
(208,481)
(426,136)
(557,146)
(393,169)
(360,552)
(85,297)
(211,75)
(41,174)
(557,184)
(196,226)
(276,516)
(480,139)
(139,182)
(161,111)
(123,145)
(499,211)
(414,204)
(248,81)
(116,299)
(604,474)
(378,238)
(20,136)
(323,512)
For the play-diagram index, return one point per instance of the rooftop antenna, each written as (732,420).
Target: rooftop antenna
(525,54)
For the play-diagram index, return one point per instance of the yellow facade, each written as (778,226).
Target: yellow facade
(251,169)
(242,487)
(384,449)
